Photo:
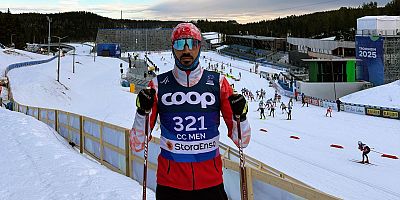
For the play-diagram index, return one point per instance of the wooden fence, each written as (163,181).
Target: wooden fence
(109,145)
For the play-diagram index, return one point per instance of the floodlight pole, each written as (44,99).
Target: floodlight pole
(333,78)
(94,52)
(73,61)
(49,38)
(59,56)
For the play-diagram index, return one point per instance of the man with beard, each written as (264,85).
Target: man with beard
(189,101)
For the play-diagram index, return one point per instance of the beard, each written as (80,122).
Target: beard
(186,56)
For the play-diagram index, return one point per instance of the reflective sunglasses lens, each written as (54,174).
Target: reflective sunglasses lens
(179,44)
(189,42)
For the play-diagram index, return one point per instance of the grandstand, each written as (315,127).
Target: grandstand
(156,39)
(212,40)
(259,56)
(258,42)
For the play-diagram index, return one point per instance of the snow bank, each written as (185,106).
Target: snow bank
(384,96)
(37,163)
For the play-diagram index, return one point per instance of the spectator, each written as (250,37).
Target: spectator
(338,102)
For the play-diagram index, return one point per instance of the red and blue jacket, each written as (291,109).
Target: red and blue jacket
(189,105)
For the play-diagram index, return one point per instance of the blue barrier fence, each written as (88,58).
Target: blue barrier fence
(29,63)
(285,86)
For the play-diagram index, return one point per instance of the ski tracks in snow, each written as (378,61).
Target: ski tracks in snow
(376,187)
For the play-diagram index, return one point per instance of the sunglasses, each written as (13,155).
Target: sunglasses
(191,43)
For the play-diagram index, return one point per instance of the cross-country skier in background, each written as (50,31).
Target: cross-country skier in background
(261,108)
(365,151)
(274,102)
(272,109)
(279,97)
(290,101)
(189,101)
(283,107)
(289,112)
(329,111)
(304,100)
(258,95)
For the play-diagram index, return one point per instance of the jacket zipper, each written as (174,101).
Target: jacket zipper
(187,79)
(191,164)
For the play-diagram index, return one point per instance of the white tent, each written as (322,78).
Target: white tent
(387,25)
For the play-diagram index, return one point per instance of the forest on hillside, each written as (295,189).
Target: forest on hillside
(82,26)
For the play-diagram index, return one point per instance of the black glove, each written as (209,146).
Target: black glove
(145,100)
(238,106)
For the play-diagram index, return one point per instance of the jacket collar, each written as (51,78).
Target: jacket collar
(188,79)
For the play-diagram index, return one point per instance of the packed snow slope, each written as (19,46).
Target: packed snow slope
(387,95)
(94,91)
(37,163)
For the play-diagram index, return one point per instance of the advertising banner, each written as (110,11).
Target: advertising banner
(369,49)
(393,114)
(308,99)
(315,102)
(331,104)
(374,112)
(354,109)
(321,103)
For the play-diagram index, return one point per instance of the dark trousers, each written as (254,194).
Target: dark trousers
(212,193)
(262,113)
(365,154)
(272,112)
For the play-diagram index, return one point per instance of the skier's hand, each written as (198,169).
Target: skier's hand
(145,100)
(239,106)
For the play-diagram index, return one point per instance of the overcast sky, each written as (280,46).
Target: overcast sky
(242,11)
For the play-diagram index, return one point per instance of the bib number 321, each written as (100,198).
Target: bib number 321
(191,123)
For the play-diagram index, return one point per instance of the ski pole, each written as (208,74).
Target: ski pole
(146,147)
(243,182)
(376,151)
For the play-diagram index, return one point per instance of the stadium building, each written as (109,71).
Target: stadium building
(156,39)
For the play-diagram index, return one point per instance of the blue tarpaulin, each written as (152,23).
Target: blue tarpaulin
(109,50)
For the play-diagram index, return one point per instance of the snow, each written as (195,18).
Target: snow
(329,38)
(37,163)
(11,56)
(387,95)
(90,91)
(94,91)
(82,49)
